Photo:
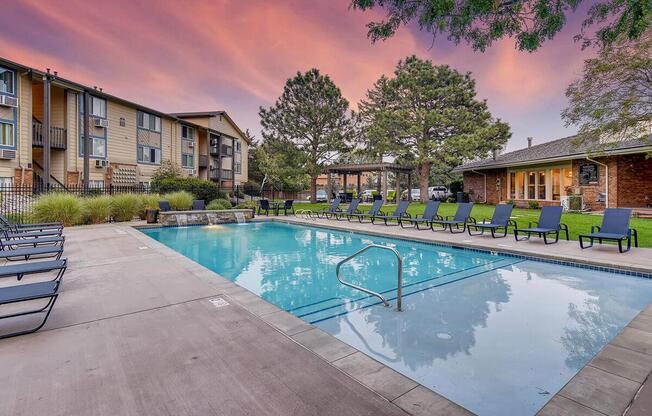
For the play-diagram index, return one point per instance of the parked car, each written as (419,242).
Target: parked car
(416,194)
(321,196)
(438,192)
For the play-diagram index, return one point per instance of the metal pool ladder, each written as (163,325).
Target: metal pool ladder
(399,275)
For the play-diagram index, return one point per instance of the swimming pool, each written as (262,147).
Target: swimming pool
(496,334)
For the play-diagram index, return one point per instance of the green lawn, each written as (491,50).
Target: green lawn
(577,223)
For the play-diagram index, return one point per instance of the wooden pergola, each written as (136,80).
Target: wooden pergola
(359,168)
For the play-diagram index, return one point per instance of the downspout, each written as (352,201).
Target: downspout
(606,180)
(485,184)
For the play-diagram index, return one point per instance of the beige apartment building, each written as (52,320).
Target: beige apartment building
(127,141)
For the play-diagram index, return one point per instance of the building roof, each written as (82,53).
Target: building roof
(201,114)
(555,150)
(34,72)
(368,167)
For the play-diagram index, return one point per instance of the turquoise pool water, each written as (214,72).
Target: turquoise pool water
(499,335)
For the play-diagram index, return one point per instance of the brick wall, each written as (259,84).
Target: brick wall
(23,177)
(634,185)
(496,190)
(591,192)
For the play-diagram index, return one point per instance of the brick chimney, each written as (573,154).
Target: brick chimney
(529,142)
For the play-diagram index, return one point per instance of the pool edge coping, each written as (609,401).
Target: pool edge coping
(562,400)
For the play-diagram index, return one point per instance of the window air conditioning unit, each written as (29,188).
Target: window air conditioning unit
(8,101)
(191,145)
(101,163)
(191,172)
(7,154)
(101,122)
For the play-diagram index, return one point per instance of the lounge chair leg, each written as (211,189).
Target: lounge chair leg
(50,303)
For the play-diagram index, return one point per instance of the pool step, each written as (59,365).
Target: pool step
(339,306)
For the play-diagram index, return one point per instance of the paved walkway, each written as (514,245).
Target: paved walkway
(134,333)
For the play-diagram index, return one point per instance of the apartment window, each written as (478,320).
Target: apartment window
(148,121)
(6,182)
(187,147)
(6,134)
(187,133)
(7,78)
(96,184)
(147,154)
(97,145)
(237,157)
(98,107)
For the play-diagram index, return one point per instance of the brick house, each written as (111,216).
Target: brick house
(550,172)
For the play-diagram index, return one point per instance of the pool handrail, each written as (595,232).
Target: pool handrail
(399,290)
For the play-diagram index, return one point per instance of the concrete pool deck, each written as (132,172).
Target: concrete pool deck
(135,332)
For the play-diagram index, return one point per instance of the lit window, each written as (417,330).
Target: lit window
(6,81)
(6,134)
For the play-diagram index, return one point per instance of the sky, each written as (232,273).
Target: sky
(180,56)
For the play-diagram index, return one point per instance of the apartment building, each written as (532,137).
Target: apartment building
(42,135)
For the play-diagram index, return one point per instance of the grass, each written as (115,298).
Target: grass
(577,223)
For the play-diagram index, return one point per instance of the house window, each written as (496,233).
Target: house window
(542,185)
(531,185)
(148,121)
(7,81)
(98,107)
(237,159)
(97,145)
(187,147)
(556,184)
(147,154)
(6,134)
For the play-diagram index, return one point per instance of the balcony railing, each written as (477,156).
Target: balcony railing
(221,174)
(203,161)
(57,136)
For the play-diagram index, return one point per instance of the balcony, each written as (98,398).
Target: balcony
(214,150)
(203,161)
(57,136)
(220,174)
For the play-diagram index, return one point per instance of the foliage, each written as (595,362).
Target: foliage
(200,188)
(219,204)
(310,116)
(250,204)
(612,101)
(57,206)
(179,201)
(274,164)
(96,209)
(456,186)
(533,204)
(376,142)
(436,120)
(451,199)
(531,22)
(124,207)
(167,170)
(149,201)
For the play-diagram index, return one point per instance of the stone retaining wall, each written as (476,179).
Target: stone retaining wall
(203,217)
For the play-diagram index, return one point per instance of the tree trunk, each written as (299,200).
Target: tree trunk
(313,189)
(424,178)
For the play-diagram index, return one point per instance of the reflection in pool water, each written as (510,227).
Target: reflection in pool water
(497,335)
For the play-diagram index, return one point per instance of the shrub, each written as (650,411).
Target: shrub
(451,200)
(533,204)
(167,170)
(219,204)
(149,201)
(200,188)
(124,207)
(510,201)
(96,209)
(58,207)
(251,204)
(179,201)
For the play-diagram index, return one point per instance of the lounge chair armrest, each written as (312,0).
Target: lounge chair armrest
(471,220)
(530,223)
(594,228)
(563,226)
(449,217)
(406,215)
(512,223)
(381,213)
(438,217)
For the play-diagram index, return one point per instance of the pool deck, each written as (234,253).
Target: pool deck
(135,332)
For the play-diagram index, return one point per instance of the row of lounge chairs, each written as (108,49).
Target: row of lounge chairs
(615,223)
(23,247)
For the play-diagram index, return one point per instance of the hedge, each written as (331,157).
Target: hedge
(200,188)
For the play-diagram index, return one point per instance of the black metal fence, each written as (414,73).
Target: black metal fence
(17,202)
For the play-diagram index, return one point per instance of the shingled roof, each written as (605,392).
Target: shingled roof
(556,150)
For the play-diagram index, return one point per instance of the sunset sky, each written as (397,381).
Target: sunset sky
(236,55)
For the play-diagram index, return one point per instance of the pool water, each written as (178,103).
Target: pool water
(496,334)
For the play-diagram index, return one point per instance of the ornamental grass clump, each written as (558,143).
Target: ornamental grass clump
(124,207)
(57,206)
(96,209)
(179,201)
(219,204)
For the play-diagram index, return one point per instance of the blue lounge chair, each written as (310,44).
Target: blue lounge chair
(47,290)
(331,211)
(500,220)
(615,227)
(288,205)
(10,253)
(33,242)
(375,210)
(350,210)
(399,213)
(29,233)
(20,270)
(263,205)
(549,223)
(198,205)
(429,214)
(164,206)
(462,218)
(4,221)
